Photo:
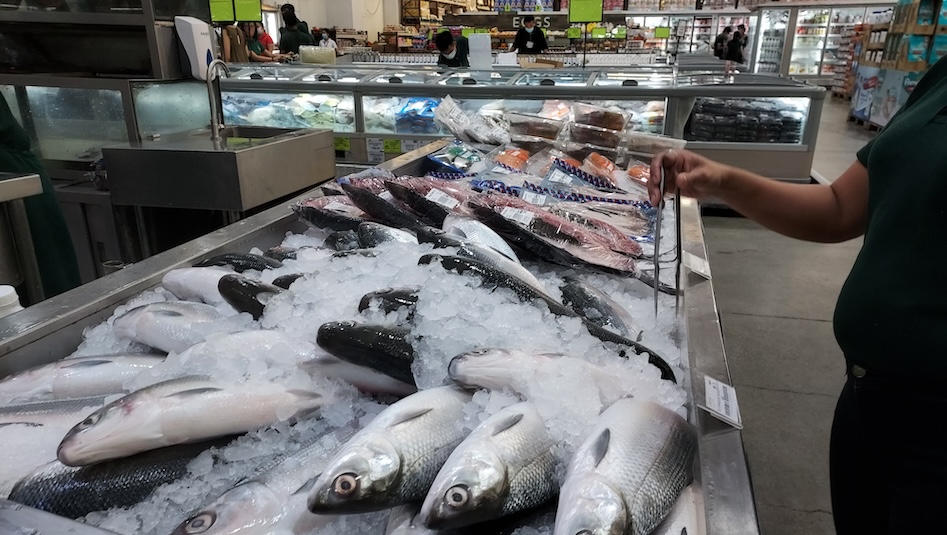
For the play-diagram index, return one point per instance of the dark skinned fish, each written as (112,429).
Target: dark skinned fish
(280,253)
(285,281)
(342,240)
(371,234)
(247,295)
(380,209)
(598,307)
(379,347)
(500,279)
(333,212)
(390,299)
(241,262)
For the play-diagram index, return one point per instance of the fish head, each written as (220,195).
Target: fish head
(590,506)
(359,479)
(108,433)
(250,508)
(491,368)
(469,489)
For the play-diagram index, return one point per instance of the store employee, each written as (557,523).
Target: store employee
(454,52)
(529,39)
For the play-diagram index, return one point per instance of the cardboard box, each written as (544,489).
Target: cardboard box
(938,48)
(540,64)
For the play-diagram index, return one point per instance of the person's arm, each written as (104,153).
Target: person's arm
(263,58)
(270,45)
(541,44)
(826,214)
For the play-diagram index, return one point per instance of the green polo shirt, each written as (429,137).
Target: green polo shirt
(892,311)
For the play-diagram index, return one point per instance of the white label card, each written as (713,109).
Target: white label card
(339,207)
(501,169)
(376,150)
(520,216)
(560,177)
(532,198)
(441,198)
(721,401)
(696,264)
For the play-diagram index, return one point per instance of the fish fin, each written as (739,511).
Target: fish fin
(306,394)
(601,446)
(640,335)
(28,424)
(411,416)
(307,486)
(508,423)
(87,364)
(193,392)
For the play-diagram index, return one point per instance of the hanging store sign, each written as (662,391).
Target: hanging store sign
(586,10)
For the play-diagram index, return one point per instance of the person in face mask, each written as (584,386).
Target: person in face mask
(529,39)
(454,51)
(326,41)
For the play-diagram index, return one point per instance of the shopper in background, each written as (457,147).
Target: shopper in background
(454,51)
(326,41)
(301,25)
(291,36)
(888,454)
(734,54)
(529,39)
(255,48)
(264,38)
(55,255)
(233,43)
(720,43)
(742,29)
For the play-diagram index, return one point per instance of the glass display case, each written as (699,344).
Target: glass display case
(809,41)
(74,123)
(163,108)
(760,120)
(771,40)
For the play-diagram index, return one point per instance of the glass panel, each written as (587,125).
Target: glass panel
(645,78)
(406,77)
(769,52)
(702,37)
(336,75)
(558,78)
(73,124)
(479,78)
(643,115)
(748,120)
(74,6)
(290,110)
(400,115)
(170,108)
(267,72)
(838,44)
(809,41)
(9,94)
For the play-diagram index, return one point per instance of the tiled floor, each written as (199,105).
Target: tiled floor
(776,297)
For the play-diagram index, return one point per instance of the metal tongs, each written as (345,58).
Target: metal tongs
(657,245)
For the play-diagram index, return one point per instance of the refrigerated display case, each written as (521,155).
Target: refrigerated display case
(820,46)
(391,117)
(702,27)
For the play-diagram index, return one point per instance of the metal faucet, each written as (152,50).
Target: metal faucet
(215,119)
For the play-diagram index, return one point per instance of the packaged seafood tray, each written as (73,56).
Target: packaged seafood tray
(647,144)
(532,144)
(581,151)
(592,115)
(460,157)
(261,375)
(593,135)
(535,126)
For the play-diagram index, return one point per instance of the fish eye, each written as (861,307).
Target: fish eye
(345,485)
(90,421)
(457,496)
(200,523)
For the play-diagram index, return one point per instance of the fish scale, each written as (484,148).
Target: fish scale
(166,326)
(64,412)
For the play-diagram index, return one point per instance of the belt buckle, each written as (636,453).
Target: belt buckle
(858,372)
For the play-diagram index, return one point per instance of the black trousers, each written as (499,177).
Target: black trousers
(888,457)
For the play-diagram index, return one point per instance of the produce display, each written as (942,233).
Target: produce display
(433,353)
(304,110)
(747,120)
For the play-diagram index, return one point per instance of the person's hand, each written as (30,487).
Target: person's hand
(693,174)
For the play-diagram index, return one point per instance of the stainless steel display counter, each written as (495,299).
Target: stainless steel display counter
(52,329)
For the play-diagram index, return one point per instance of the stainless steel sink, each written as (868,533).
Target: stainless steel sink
(247,167)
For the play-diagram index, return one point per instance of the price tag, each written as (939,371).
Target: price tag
(343,143)
(441,198)
(501,169)
(376,150)
(574,33)
(560,177)
(387,196)
(408,145)
(721,401)
(392,145)
(696,264)
(532,198)
(515,214)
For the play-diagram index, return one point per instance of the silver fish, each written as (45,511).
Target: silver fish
(406,520)
(188,409)
(59,413)
(625,478)
(395,458)
(76,378)
(272,501)
(504,466)
(474,231)
(165,326)
(265,345)
(196,283)
(371,234)
(499,369)
(501,262)
(598,308)
(17,519)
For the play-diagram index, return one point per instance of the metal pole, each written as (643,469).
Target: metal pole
(23,240)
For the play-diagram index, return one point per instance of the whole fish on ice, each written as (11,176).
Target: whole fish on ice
(241,262)
(379,347)
(196,283)
(74,492)
(380,209)
(247,295)
(166,326)
(473,231)
(390,299)
(19,519)
(188,409)
(76,378)
(343,240)
(361,377)
(504,466)
(371,234)
(599,308)
(285,281)
(432,199)
(333,212)
(395,458)
(629,472)
(265,345)
(59,413)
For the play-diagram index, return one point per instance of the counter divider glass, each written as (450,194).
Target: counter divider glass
(763,123)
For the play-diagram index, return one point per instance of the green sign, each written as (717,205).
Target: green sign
(343,143)
(467,32)
(586,10)
(599,33)
(392,145)
(221,11)
(247,10)
(481,30)
(662,33)
(621,32)
(574,33)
